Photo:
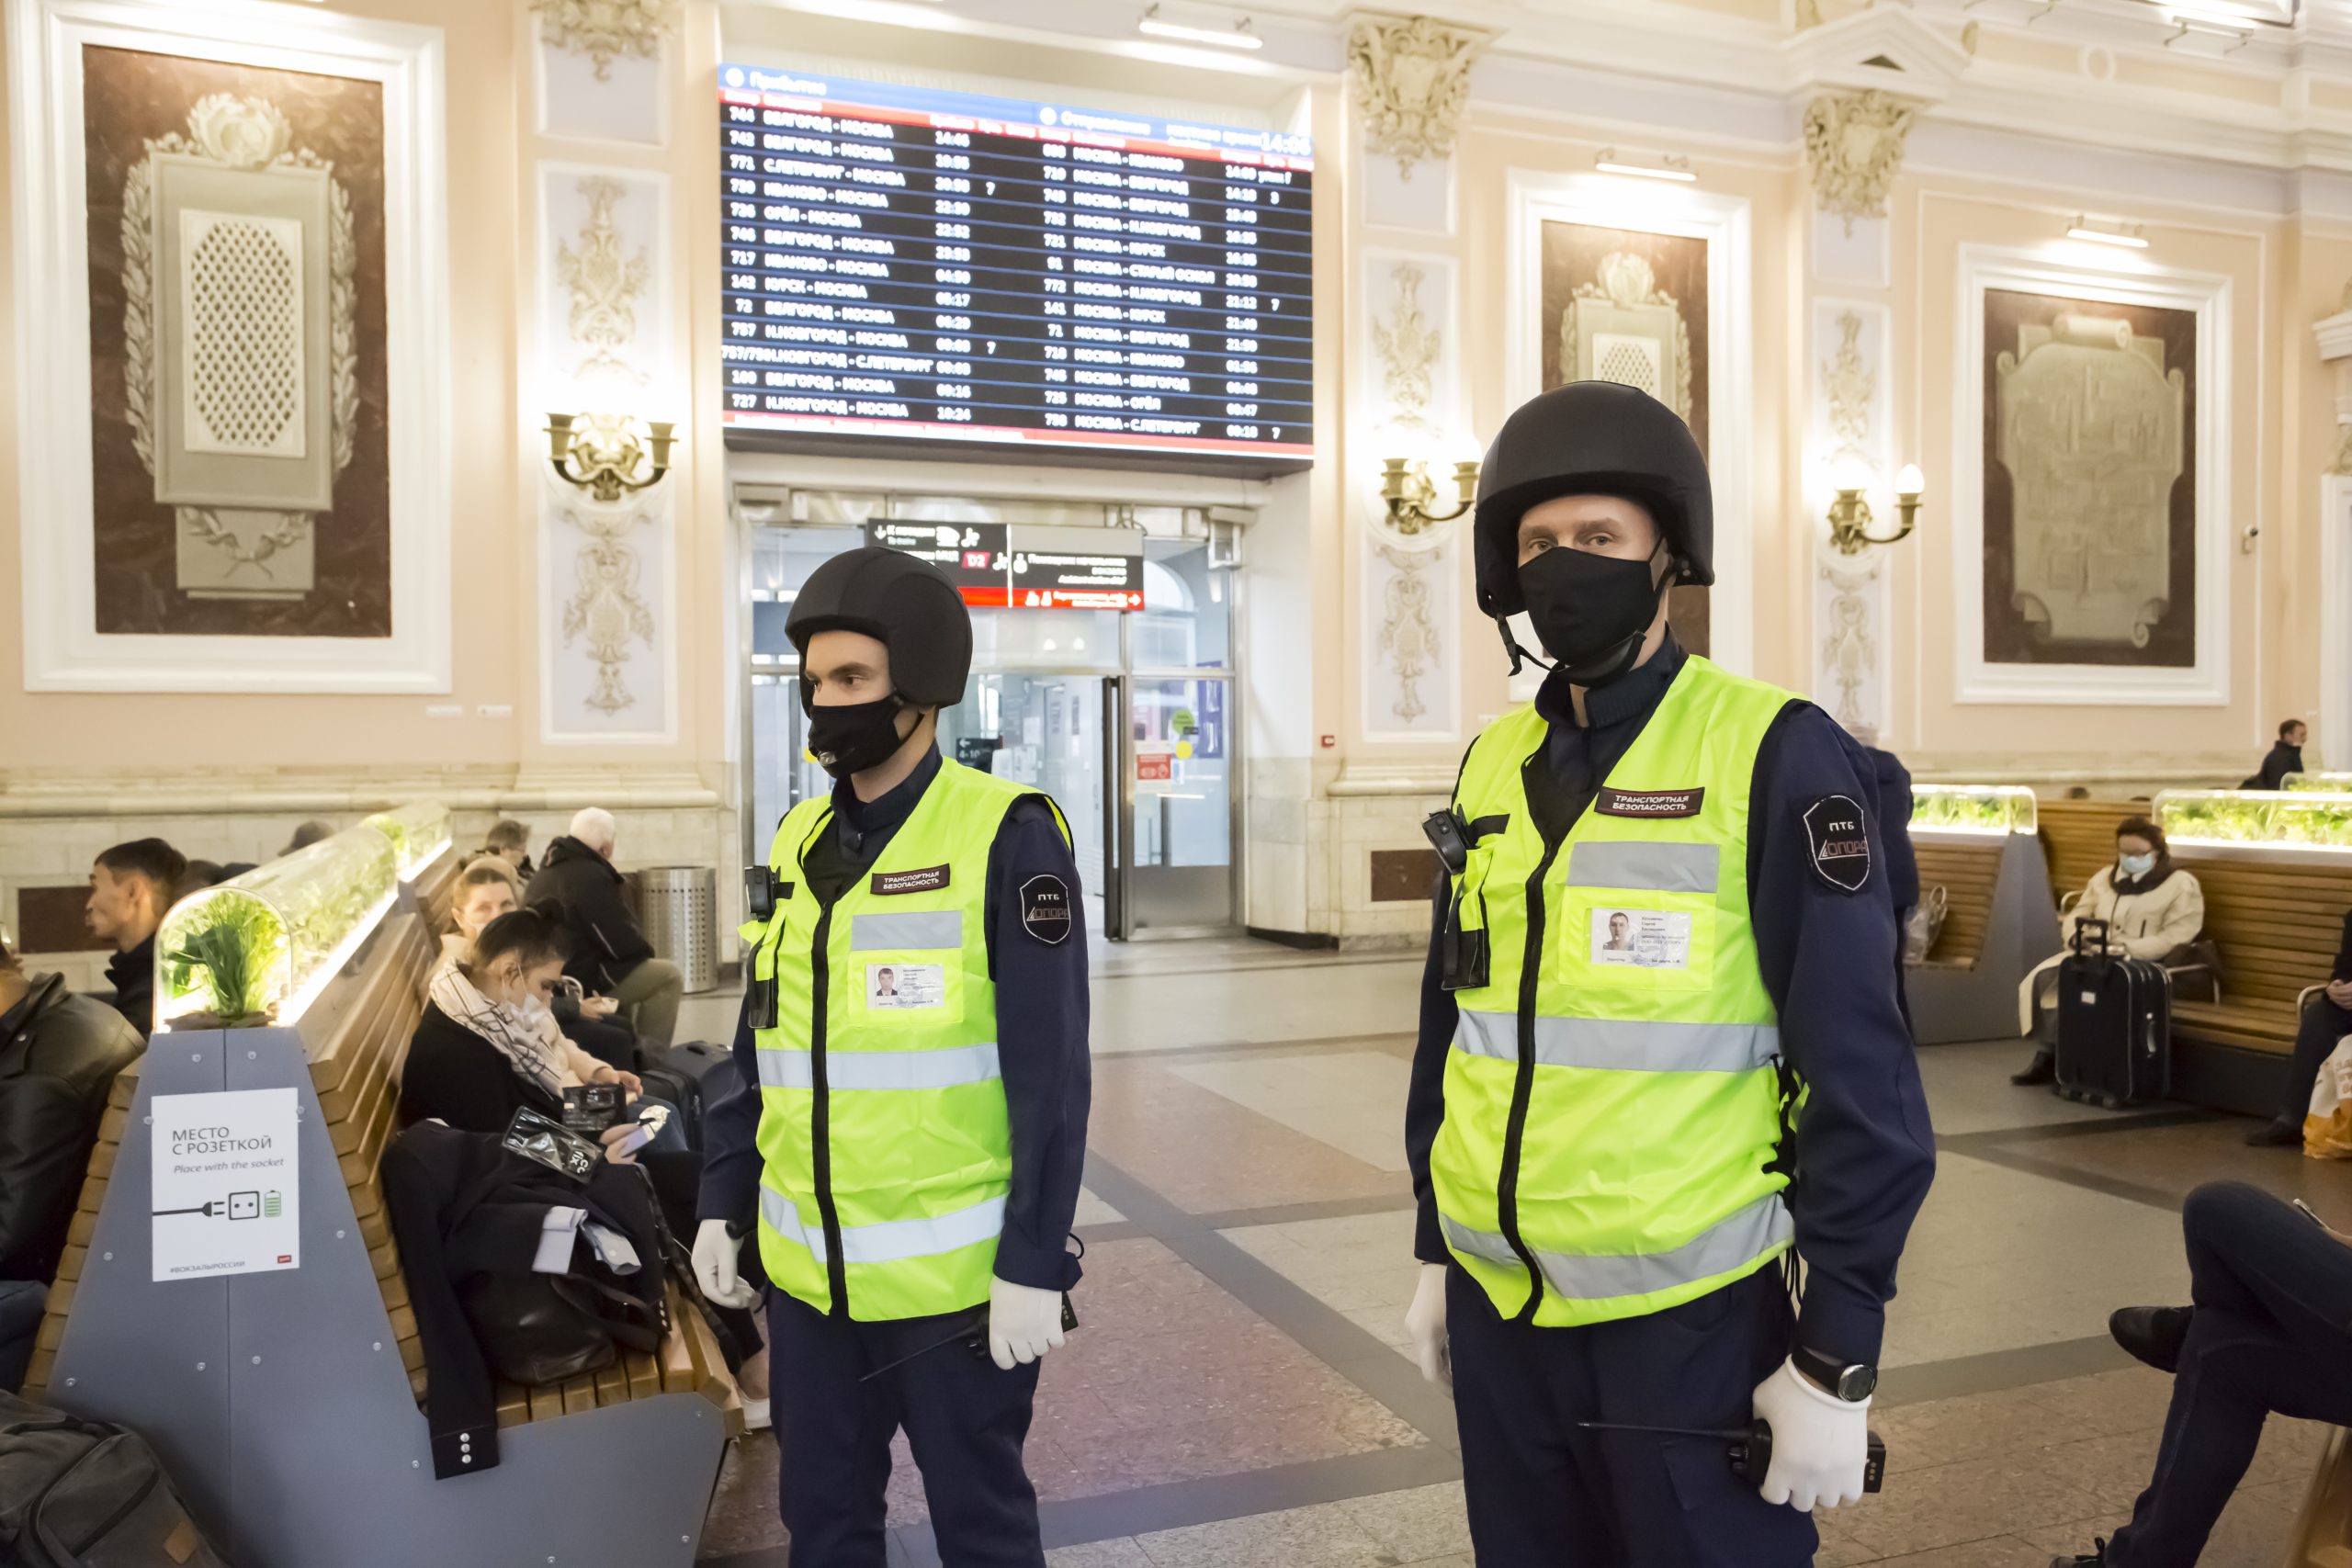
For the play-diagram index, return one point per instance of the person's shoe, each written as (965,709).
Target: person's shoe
(2275,1135)
(2153,1334)
(2043,1071)
(2096,1560)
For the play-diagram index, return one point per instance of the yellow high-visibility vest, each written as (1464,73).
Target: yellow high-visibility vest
(883,1134)
(1613,1099)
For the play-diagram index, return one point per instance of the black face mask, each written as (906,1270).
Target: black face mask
(1591,611)
(849,737)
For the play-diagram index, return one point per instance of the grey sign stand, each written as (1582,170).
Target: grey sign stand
(278,1402)
(1951,1004)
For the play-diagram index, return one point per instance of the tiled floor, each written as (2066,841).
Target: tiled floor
(1239,1397)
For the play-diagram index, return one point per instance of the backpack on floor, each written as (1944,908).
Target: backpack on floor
(77,1493)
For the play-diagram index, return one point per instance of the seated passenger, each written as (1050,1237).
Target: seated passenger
(609,953)
(2285,757)
(2270,1328)
(511,841)
(306,835)
(2152,909)
(2326,1019)
(131,887)
(59,1053)
(488,1045)
(488,888)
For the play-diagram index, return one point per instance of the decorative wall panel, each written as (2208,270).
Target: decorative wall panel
(2093,487)
(1409,388)
(1849,422)
(232,283)
(608,616)
(602,72)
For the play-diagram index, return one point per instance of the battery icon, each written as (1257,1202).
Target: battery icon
(271,1205)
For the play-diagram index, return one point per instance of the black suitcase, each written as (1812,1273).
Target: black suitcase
(678,1075)
(2114,1024)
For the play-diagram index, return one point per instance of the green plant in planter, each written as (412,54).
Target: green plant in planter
(229,960)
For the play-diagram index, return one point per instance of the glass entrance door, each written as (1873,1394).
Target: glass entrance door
(1050,732)
(1178,783)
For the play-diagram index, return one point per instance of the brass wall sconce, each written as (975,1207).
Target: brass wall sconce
(1406,486)
(604,454)
(1849,514)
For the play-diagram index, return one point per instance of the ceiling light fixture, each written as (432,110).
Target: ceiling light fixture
(1238,37)
(2099,232)
(1648,167)
(2239,37)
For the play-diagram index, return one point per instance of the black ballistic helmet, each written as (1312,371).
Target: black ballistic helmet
(1590,438)
(906,605)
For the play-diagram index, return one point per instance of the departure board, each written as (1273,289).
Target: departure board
(917,266)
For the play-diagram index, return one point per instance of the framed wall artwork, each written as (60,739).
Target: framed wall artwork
(1615,282)
(2093,471)
(230,282)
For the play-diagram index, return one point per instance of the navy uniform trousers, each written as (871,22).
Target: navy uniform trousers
(965,1420)
(1543,1494)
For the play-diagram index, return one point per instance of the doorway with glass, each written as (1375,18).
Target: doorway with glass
(1126,718)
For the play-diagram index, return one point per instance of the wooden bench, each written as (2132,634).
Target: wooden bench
(2323,1535)
(2278,922)
(353,1040)
(1997,925)
(1967,873)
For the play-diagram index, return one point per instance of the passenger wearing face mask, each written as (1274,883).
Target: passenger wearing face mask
(908,1153)
(2152,907)
(488,1045)
(1614,1169)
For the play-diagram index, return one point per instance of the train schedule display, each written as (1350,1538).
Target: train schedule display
(913,265)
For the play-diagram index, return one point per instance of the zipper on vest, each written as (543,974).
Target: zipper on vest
(1522,1089)
(820,1148)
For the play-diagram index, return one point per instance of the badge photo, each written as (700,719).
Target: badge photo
(1647,938)
(901,987)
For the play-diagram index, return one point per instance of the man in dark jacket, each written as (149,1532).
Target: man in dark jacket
(59,1053)
(2326,1019)
(2285,757)
(609,954)
(132,886)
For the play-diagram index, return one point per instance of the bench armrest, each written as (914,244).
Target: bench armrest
(2066,902)
(2304,997)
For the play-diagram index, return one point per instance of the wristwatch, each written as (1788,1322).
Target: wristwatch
(1851,1381)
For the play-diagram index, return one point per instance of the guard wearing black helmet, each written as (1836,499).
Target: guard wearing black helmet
(1660,1050)
(907,1152)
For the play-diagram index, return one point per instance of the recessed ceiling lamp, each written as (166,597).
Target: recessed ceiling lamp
(2101,232)
(1239,36)
(1646,166)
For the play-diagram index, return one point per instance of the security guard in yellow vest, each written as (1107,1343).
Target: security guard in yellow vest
(1660,1045)
(907,1151)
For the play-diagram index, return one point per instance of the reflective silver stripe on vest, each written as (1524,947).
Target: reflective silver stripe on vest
(892,1240)
(881,1069)
(1746,1236)
(1643,867)
(906,929)
(1622,1046)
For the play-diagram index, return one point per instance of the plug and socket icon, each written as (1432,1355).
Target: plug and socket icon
(244,1205)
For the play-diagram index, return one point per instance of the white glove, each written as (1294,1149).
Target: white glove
(715,1267)
(1820,1442)
(1425,1320)
(1023,1323)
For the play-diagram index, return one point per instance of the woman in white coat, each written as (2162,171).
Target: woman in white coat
(2152,909)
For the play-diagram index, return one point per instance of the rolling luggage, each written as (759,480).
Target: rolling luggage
(2114,1024)
(677,1075)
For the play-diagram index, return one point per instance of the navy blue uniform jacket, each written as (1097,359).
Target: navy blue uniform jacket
(1040,1033)
(1865,1153)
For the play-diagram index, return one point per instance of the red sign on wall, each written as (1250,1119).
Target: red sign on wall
(1155,767)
